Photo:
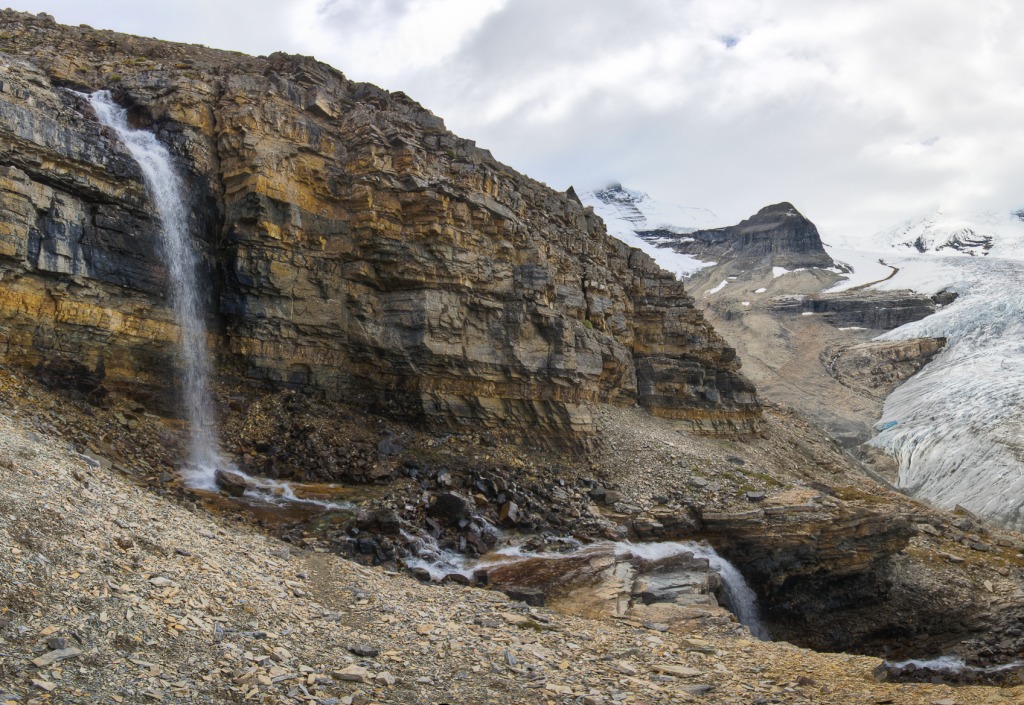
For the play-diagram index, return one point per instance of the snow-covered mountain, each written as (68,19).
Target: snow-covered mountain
(626,212)
(685,239)
(981,234)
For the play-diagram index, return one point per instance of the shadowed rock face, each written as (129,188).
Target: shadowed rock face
(775,236)
(349,244)
(883,310)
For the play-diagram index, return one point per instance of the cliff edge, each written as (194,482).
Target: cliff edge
(350,245)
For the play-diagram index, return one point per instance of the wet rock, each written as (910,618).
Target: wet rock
(450,507)
(232,483)
(382,521)
(531,596)
(936,672)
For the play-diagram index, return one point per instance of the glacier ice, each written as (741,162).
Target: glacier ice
(959,423)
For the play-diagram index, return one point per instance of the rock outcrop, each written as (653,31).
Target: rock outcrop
(601,580)
(876,368)
(350,244)
(775,236)
(799,536)
(882,310)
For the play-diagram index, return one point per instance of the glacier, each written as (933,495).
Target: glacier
(956,428)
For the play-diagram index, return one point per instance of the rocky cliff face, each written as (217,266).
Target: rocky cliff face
(883,310)
(351,245)
(877,367)
(775,236)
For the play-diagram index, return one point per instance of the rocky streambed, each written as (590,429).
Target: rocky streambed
(826,569)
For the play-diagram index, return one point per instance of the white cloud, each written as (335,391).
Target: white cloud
(860,113)
(380,40)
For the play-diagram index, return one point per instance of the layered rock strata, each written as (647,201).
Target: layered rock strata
(877,367)
(600,581)
(777,235)
(882,310)
(801,535)
(350,243)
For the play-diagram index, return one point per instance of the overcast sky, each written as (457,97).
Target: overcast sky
(861,113)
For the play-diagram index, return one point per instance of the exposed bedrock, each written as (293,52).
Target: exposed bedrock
(876,368)
(883,310)
(776,236)
(350,245)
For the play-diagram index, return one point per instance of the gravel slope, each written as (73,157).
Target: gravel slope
(121,595)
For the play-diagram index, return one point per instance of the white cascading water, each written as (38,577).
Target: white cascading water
(742,600)
(165,189)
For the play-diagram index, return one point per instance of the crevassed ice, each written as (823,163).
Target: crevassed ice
(957,427)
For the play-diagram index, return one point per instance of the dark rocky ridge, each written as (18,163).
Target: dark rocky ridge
(352,246)
(882,310)
(776,236)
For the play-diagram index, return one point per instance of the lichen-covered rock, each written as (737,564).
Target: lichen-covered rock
(349,243)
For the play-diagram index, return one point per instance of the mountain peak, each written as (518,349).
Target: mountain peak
(777,235)
(784,208)
(627,212)
(685,239)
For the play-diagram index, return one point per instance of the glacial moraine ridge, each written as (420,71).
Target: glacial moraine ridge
(349,244)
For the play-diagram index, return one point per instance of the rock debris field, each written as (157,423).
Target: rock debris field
(110,593)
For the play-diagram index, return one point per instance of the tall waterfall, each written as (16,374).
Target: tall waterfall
(166,191)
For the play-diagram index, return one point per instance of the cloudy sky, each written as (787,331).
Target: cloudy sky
(860,112)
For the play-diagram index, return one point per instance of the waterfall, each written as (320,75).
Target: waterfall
(165,189)
(742,599)
(439,563)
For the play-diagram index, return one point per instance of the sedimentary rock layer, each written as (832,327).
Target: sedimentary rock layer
(350,244)
(883,310)
(775,236)
(877,367)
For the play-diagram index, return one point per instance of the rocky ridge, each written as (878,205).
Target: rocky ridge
(776,236)
(878,310)
(352,245)
(878,367)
